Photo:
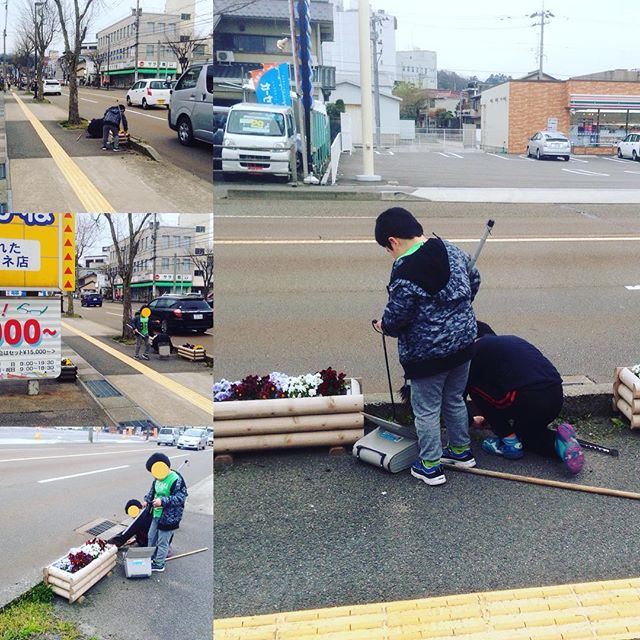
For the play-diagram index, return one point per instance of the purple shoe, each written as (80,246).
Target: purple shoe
(569,449)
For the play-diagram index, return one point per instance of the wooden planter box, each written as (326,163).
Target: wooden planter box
(73,585)
(626,395)
(194,355)
(243,425)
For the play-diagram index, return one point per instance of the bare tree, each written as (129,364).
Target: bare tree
(203,262)
(183,48)
(38,26)
(75,17)
(126,243)
(87,232)
(23,51)
(97,59)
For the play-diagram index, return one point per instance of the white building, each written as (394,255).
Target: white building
(418,66)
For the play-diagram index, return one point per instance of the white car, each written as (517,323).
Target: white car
(193,439)
(149,93)
(51,87)
(630,147)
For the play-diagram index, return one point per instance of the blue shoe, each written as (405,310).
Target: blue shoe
(431,475)
(157,568)
(512,448)
(464,459)
(492,445)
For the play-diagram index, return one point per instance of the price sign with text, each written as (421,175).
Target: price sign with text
(37,251)
(30,338)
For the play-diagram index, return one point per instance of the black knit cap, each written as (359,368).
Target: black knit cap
(157,457)
(484,329)
(397,223)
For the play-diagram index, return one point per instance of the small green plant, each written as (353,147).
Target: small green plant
(616,422)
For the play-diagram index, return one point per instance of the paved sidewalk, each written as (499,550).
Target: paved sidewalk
(54,169)
(592,610)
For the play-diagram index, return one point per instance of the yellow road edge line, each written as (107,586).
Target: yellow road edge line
(480,610)
(85,190)
(175,387)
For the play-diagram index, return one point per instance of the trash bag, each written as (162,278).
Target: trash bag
(94,128)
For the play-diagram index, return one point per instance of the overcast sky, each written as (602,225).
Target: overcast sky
(496,36)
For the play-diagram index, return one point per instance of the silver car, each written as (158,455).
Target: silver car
(193,439)
(549,144)
(191,105)
(168,436)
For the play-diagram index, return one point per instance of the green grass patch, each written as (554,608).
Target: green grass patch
(72,315)
(32,616)
(125,341)
(65,124)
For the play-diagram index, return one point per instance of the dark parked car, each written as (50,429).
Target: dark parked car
(91,300)
(181,313)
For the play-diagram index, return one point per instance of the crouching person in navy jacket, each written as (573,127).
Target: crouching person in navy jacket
(167,497)
(429,311)
(518,392)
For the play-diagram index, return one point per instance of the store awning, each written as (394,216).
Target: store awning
(595,101)
(141,72)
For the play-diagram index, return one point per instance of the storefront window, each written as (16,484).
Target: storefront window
(602,127)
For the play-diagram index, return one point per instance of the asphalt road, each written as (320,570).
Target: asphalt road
(298,283)
(110,315)
(149,125)
(331,531)
(50,489)
(455,167)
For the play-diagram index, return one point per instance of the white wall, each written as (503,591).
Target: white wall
(418,67)
(389,113)
(494,112)
(344,54)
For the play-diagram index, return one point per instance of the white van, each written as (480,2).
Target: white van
(258,139)
(191,105)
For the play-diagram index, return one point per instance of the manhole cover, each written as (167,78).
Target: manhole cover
(102,389)
(101,527)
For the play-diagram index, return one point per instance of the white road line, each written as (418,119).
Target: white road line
(614,160)
(73,455)
(524,157)
(584,172)
(636,172)
(579,160)
(391,153)
(455,154)
(495,155)
(454,240)
(78,475)
(110,313)
(633,287)
(442,154)
(130,110)
(377,152)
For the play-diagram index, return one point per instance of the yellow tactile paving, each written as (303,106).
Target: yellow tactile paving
(608,610)
(85,190)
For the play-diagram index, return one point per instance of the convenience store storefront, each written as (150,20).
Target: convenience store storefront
(143,291)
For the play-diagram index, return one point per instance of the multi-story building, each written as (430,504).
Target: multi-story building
(419,67)
(247,36)
(166,262)
(153,33)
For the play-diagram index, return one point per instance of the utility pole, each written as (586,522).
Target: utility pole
(544,16)
(158,62)
(155,254)
(137,45)
(4,41)
(108,61)
(175,271)
(375,20)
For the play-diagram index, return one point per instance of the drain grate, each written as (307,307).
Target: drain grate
(102,389)
(101,527)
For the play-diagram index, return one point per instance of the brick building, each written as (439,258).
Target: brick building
(594,111)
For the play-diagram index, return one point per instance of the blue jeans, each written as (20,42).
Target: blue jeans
(443,392)
(160,540)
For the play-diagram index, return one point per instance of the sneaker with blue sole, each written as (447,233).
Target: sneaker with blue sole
(464,459)
(431,475)
(568,448)
(510,448)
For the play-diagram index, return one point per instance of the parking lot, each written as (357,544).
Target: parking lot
(453,166)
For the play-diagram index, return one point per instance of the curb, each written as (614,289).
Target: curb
(304,192)
(145,149)
(5,183)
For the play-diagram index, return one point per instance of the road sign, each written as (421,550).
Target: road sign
(37,251)
(30,338)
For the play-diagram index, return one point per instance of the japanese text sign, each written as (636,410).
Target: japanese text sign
(37,251)
(30,338)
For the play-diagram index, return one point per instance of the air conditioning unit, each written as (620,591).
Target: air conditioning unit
(224,56)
